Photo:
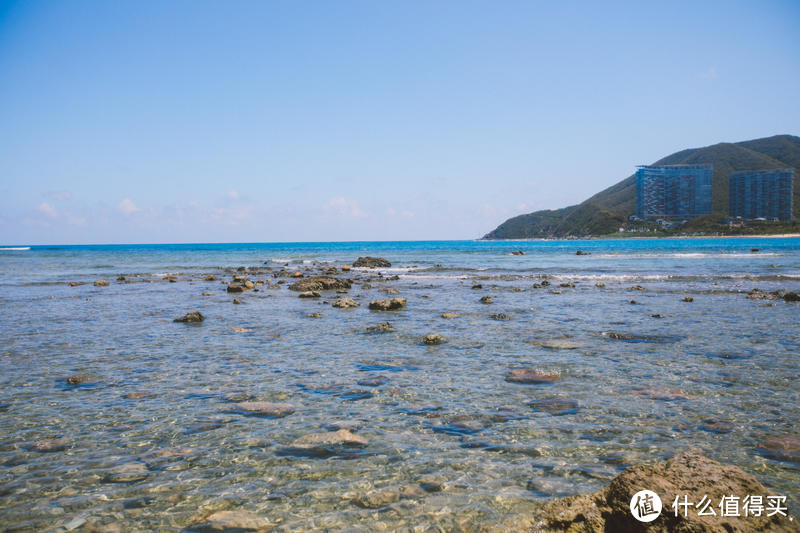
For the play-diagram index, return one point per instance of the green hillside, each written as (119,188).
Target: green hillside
(605,211)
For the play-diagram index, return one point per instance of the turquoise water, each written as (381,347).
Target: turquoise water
(466,448)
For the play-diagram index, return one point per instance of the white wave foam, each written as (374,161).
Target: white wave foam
(16,248)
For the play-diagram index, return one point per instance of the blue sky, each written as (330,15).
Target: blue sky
(193,121)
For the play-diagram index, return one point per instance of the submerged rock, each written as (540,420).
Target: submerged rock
(320,283)
(782,448)
(378,498)
(266,409)
(383,327)
(450,315)
(388,304)
(486,300)
(127,473)
(600,284)
(371,262)
(101,283)
(49,445)
(344,303)
(232,521)
(433,339)
(689,474)
(529,375)
(558,344)
(315,315)
(517,252)
(237,301)
(688,299)
(636,288)
(192,318)
(555,406)
(342,437)
(210,278)
(138,395)
(581,252)
(500,316)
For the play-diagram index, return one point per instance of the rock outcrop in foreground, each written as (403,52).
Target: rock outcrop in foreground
(690,474)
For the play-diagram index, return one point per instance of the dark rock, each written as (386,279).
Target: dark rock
(581,252)
(79,379)
(791,297)
(632,302)
(477,286)
(500,316)
(758,294)
(636,288)
(371,262)
(567,285)
(381,328)
(315,315)
(517,252)
(389,304)
(688,299)
(486,300)
(754,250)
(121,278)
(210,278)
(235,289)
(320,283)
(689,474)
(600,284)
(529,375)
(237,301)
(657,315)
(192,318)
(433,339)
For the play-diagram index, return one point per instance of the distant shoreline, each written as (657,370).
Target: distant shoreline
(641,237)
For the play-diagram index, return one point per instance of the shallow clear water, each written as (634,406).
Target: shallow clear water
(485,449)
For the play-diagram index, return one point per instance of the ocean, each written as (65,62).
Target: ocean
(649,347)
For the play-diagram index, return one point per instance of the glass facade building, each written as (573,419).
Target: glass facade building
(762,194)
(673,191)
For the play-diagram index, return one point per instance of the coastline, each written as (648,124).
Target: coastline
(642,237)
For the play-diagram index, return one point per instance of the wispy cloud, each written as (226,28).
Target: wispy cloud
(127,207)
(233,194)
(709,74)
(344,208)
(47,209)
